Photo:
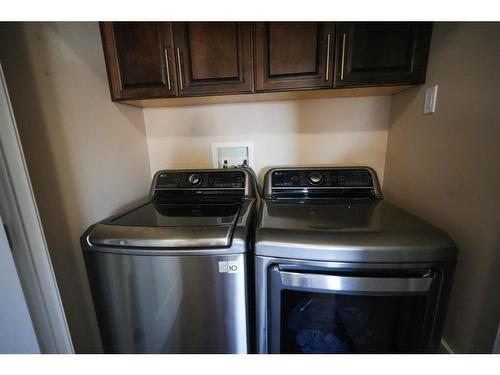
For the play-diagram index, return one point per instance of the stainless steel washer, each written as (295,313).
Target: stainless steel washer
(170,276)
(341,270)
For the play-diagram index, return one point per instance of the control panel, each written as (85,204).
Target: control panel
(322,183)
(201,180)
(326,178)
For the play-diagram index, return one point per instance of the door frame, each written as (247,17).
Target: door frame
(17,334)
(496,345)
(29,248)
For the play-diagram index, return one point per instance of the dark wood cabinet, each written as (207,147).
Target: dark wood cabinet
(213,57)
(140,59)
(293,55)
(153,60)
(381,53)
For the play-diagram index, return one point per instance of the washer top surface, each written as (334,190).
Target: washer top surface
(175,215)
(205,225)
(187,210)
(313,224)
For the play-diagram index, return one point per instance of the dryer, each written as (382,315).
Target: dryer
(341,270)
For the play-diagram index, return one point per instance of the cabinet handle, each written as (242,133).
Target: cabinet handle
(168,70)
(327,56)
(343,57)
(180,67)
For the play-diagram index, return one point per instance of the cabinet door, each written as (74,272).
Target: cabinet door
(381,53)
(139,59)
(213,57)
(293,55)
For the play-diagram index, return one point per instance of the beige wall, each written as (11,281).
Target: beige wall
(445,167)
(351,131)
(86,156)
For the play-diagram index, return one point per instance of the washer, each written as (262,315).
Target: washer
(170,276)
(341,270)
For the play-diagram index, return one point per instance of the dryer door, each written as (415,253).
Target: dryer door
(326,312)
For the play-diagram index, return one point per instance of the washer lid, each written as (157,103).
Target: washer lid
(206,225)
(353,230)
(179,215)
(164,237)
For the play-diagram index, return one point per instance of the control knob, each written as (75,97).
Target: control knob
(194,179)
(315,178)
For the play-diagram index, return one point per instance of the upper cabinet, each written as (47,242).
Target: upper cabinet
(213,57)
(293,55)
(381,53)
(152,60)
(139,59)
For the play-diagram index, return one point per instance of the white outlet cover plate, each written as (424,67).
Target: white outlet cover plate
(430,100)
(220,145)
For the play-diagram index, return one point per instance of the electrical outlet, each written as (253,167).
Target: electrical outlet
(430,100)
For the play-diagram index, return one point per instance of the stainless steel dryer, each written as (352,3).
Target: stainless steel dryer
(341,270)
(170,276)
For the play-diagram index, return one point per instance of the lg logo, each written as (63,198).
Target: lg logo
(233,267)
(228,266)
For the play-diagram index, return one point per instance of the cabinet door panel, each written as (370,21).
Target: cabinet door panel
(139,50)
(381,53)
(293,55)
(214,57)
(293,48)
(139,59)
(213,51)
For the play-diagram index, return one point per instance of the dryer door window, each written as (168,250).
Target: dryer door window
(321,313)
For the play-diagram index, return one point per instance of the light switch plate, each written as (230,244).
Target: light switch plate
(232,154)
(430,100)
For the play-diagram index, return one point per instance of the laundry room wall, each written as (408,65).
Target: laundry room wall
(87,157)
(333,131)
(444,167)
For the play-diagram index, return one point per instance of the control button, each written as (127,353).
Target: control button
(194,179)
(315,178)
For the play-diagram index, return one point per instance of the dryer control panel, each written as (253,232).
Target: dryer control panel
(322,182)
(322,177)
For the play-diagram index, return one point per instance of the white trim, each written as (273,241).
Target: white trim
(20,213)
(445,348)
(496,345)
(16,327)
